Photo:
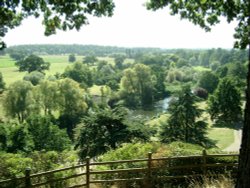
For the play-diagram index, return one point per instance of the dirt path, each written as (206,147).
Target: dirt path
(235,146)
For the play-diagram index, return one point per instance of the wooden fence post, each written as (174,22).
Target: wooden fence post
(27,178)
(149,174)
(87,172)
(204,160)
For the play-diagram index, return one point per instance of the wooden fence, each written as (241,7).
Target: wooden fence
(149,168)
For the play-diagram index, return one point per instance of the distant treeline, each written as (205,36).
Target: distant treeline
(58,49)
(202,57)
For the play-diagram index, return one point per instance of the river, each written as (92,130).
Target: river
(156,110)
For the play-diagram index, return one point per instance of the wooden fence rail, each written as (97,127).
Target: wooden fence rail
(149,167)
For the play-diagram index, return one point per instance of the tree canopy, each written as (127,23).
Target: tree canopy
(137,85)
(182,124)
(32,63)
(225,103)
(207,13)
(63,15)
(106,129)
(17,100)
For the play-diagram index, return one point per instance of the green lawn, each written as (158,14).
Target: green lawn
(6,61)
(58,63)
(11,74)
(223,137)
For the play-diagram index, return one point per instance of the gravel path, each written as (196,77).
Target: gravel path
(235,146)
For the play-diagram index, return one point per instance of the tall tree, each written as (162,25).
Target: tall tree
(32,63)
(137,85)
(182,124)
(90,59)
(18,100)
(46,95)
(72,58)
(72,104)
(206,13)
(80,73)
(2,83)
(106,129)
(208,81)
(225,103)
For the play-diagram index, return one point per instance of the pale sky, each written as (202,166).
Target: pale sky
(130,26)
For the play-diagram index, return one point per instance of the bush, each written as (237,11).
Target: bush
(174,149)
(14,165)
(201,92)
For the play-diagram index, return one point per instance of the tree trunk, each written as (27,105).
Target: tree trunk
(243,179)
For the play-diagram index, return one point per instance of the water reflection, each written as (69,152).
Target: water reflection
(157,109)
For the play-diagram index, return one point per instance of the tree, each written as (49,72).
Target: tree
(225,103)
(72,58)
(32,63)
(3,137)
(46,135)
(107,75)
(208,81)
(64,15)
(20,139)
(237,70)
(72,102)
(46,95)
(90,59)
(2,83)
(206,13)
(103,130)
(182,124)
(18,99)
(119,60)
(34,77)
(137,85)
(80,73)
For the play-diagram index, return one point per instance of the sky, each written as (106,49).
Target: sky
(130,26)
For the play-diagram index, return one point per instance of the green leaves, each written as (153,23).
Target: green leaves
(225,104)
(32,63)
(206,13)
(182,124)
(57,14)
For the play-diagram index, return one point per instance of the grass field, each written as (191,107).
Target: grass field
(11,74)
(6,61)
(58,63)
(223,137)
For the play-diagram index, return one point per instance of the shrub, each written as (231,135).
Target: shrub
(201,92)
